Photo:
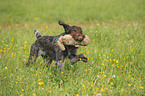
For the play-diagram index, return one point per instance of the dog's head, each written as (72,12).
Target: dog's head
(74,31)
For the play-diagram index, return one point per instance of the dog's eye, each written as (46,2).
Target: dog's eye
(74,30)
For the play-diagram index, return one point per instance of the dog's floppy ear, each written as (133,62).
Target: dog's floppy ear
(65,26)
(61,22)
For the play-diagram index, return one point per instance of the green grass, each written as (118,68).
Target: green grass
(116,54)
(82,11)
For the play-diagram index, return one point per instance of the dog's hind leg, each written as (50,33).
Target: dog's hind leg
(33,55)
(46,59)
(50,61)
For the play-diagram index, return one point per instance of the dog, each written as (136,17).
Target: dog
(46,47)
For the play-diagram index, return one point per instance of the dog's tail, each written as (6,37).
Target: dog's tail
(37,34)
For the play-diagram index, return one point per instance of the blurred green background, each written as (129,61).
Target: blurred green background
(81,11)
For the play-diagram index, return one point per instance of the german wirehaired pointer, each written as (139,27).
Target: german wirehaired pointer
(46,47)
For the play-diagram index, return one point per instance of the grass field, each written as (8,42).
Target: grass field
(116,53)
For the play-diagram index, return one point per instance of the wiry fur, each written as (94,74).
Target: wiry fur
(45,46)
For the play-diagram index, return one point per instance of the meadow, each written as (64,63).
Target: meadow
(116,52)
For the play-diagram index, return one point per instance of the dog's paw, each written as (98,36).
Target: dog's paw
(84,59)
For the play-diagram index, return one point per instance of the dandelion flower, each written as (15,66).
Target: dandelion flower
(129,84)
(95,92)
(98,24)
(26,25)
(22,89)
(116,61)
(34,94)
(102,90)
(122,89)
(77,94)
(83,85)
(105,76)
(141,87)
(96,87)
(111,83)
(49,91)
(6,67)
(46,26)
(40,83)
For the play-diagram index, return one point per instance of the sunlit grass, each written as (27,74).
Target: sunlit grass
(115,66)
(116,55)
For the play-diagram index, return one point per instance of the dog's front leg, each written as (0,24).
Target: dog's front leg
(80,57)
(60,66)
(59,61)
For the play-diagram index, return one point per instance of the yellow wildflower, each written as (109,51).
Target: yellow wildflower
(40,83)
(96,87)
(89,69)
(116,61)
(95,92)
(111,83)
(122,89)
(105,76)
(129,84)
(83,85)
(46,26)
(49,91)
(6,67)
(102,90)
(98,24)
(34,94)
(26,25)
(22,89)
(141,87)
